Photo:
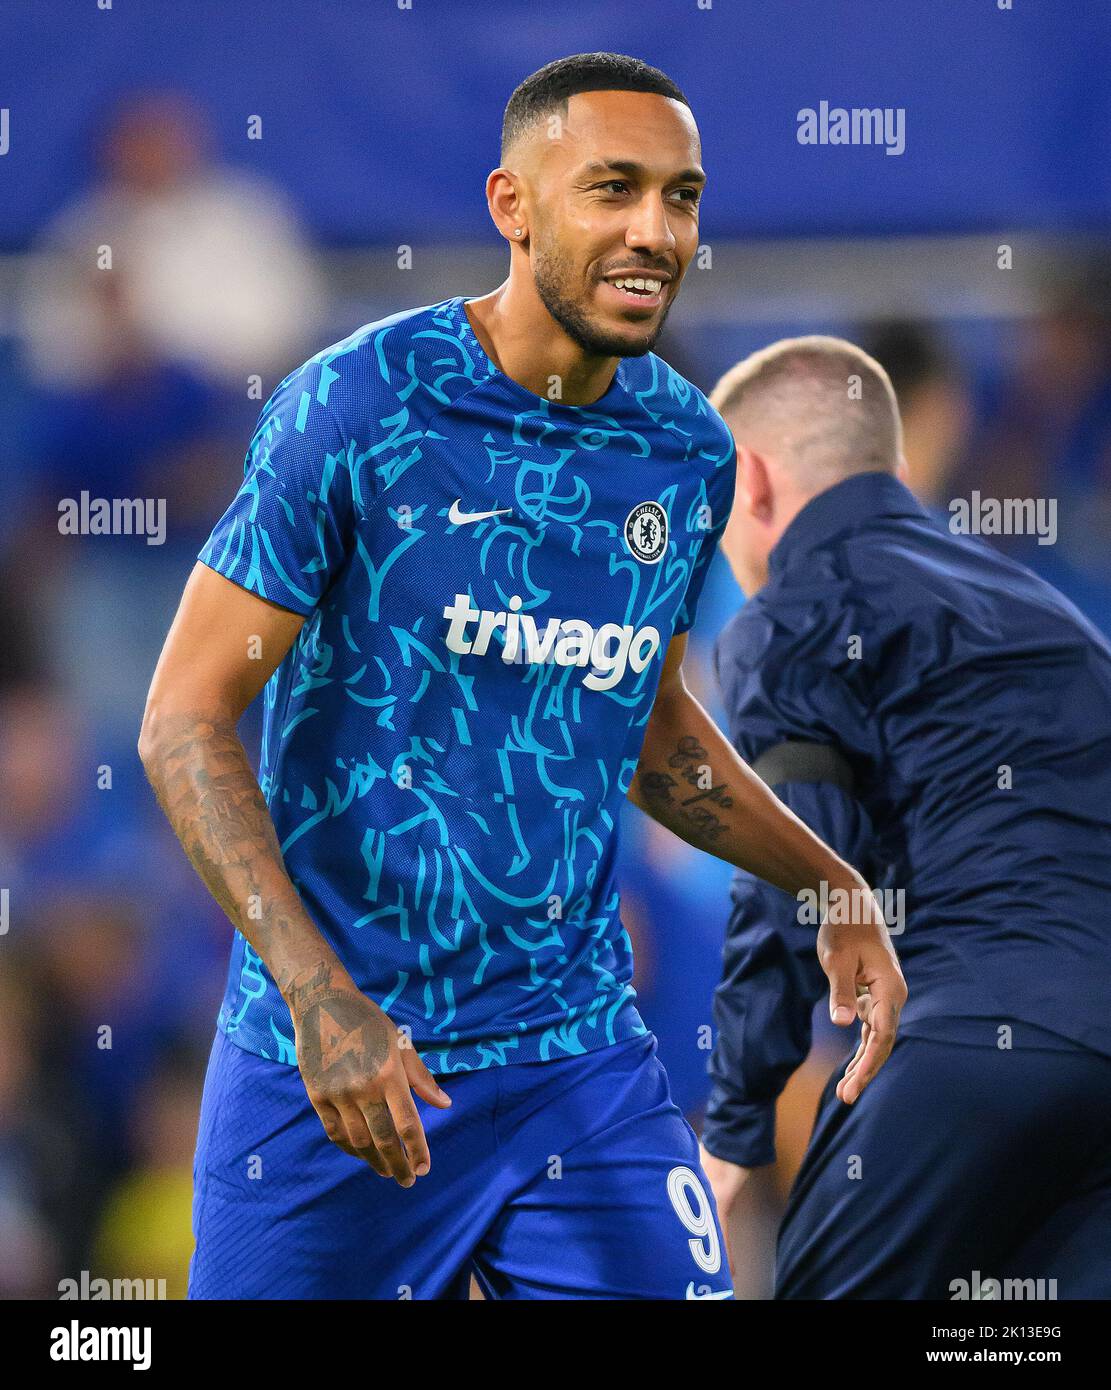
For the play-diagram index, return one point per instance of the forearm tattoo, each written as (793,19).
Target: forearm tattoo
(664,792)
(212,799)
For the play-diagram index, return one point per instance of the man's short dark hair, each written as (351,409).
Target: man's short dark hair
(550,87)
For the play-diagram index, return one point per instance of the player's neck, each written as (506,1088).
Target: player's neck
(523,340)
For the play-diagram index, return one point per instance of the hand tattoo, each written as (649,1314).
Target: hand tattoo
(343,1038)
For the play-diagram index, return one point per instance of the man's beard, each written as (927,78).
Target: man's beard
(551,273)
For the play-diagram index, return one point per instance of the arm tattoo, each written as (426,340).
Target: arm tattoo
(689,816)
(211,797)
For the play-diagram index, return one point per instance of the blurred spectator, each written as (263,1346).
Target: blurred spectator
(1046,433)
(207,265)
(934,401)
(146,1228)
(1047,429)
(29,1252)
(141,387)
(53,828)
(22,660)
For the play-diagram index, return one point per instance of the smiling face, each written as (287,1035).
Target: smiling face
(612,190)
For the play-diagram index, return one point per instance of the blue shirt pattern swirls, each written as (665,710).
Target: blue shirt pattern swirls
(448,743)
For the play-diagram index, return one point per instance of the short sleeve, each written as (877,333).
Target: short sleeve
(290,527)
(717,498)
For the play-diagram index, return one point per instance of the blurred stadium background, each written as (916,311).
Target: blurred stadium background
(268,177)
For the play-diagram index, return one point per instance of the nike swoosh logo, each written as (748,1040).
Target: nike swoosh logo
(458,518)
(723,1293)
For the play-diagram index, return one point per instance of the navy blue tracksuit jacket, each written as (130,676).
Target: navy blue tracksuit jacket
(942,718)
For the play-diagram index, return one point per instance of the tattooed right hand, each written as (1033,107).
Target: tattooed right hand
(359,1070)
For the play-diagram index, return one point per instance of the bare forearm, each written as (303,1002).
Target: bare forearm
(691,779)
(205,785)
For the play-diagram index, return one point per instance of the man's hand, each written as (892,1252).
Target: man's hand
(865,982)
(726,1181)
(358,1071)
(864,1008)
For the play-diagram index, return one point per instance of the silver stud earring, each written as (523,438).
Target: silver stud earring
(518,231)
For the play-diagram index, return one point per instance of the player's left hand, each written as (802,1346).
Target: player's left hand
(865,1005)
(865,982)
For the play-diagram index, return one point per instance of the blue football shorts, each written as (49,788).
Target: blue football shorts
(571,1178)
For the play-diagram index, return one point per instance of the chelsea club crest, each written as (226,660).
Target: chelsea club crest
(646,532)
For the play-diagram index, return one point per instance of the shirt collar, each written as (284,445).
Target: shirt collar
(849,504)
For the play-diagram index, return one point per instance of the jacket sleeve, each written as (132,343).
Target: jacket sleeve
(771,981)
(796,722)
